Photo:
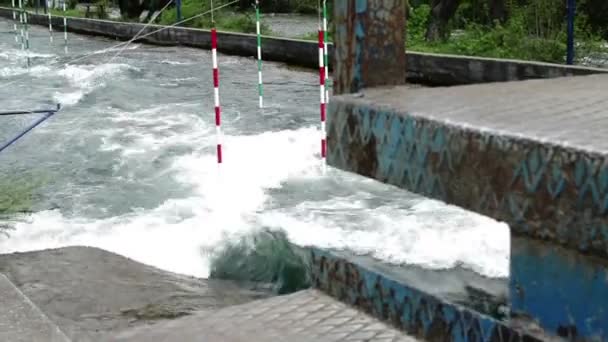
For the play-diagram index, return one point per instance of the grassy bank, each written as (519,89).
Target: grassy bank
(16,196)
(226,19)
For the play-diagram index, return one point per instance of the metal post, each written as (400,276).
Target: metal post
(15,22)
(65,28)
(48,7)
(571,16)
(178,9)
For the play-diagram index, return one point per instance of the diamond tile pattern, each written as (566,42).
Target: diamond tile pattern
(410,309)
(452,146)
(303,316)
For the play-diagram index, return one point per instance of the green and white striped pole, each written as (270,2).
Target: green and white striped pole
(48,10)
(27,38)
(15,23)
(65,29)
(257,23)
(21,33)
(325,51)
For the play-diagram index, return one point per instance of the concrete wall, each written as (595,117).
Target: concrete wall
(406,307)
(421,67)
(545,190)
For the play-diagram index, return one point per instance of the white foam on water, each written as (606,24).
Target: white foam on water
(169,62)
(36,71)
(18,55)
(70,98)
(86,79)
(87,76)
(152,129)
(116,49)
(431,234)
(231,200)
(173,235)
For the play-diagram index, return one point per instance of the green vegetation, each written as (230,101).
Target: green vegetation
(535,31)
(515,29)
(226,19)
(265,257)
(315,36)
(16,196)
(68,13)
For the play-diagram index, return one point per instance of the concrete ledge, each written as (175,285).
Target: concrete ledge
(538,163)
(406,307)
(433,69)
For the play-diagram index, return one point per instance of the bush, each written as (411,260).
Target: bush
(528,34)
(225,19)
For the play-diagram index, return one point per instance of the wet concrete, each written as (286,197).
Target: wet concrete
(89,293)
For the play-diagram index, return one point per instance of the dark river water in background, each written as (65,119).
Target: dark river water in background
(129,164)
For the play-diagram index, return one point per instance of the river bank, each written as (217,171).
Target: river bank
(425,68)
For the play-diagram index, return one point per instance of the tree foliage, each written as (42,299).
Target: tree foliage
(521,29)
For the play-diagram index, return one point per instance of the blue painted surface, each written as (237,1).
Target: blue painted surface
(564,290)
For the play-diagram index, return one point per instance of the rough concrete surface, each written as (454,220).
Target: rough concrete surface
(303,316)
(89,292)
(21,320)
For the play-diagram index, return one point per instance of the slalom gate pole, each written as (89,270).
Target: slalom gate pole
(48,10)
(325,51)
(216,89)
(323,104)
(260,84)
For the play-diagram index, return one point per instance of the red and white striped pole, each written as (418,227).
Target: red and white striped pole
(216,94)
(322,92)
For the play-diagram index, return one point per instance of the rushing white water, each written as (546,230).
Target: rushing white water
(130,165)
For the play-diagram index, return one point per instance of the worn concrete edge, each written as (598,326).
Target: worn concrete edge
(428,68)
(497,140)
(59,333)
(359,99)
(408,308)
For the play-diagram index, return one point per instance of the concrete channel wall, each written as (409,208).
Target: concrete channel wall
(432,69)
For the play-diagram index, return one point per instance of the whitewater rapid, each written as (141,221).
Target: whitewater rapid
(132,169)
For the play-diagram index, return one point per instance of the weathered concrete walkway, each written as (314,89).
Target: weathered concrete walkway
(21,320)
(303,316)
(87,295)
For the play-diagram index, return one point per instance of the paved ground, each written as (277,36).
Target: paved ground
(303,316)
(569,111)
(21,320)
(87,295)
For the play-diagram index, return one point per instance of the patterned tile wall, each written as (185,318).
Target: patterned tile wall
(409,309)
(544,192)
(370,32)
(540,191)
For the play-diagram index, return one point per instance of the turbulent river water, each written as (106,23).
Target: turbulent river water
(129,164)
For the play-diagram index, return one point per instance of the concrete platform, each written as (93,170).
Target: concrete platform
(532,154)
(303,316)
(21,320)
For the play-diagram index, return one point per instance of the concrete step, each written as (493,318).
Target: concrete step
(21,320)
(307,315)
